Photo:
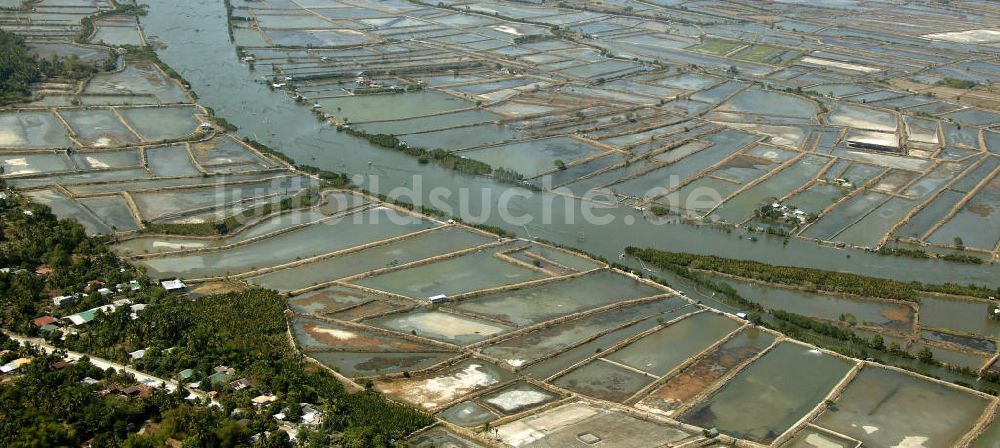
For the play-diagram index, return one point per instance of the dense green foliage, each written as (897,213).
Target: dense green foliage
(220,122)
(18,68)
(901,251)
(247,331)
(267,150)
(43,406)
(920,253)
(962,258)
(441,157)
(831,335)
(37,239)
(87,27)
(659,211)
(813,279)
(134,53)
(957,83)
(234,222)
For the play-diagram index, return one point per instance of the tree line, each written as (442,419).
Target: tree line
(809,278)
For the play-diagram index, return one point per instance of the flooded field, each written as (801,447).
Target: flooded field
(444,386)
(682,340)
(827,132)
(784,394)
(694,379)
(446,327)
(534,304)
(887,408)
(566,424)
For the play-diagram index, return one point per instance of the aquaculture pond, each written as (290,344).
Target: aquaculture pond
(66,207)
(329,300)
(812,437)
(461,274)
(30,129)
(438,437)
(784,385)
(967,316)
(867,311)
(604,380)
(990,438)
(664,350)
(313,240)
(534,157)
(112,210)
(154,205)
(399,252)
(680,389)
(313,334)
(537,303)
(98,128)
(435,389)
(882,407)
(977,223)
(518,397)
(468,414)
(36,162)
(441,326)
(547,367)
(566,424)
(161,123)
(361,108)
(540,343)
(366,363)
(170,161)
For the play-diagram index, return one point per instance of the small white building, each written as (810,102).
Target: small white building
(14,365)
(63,300)
(173,285)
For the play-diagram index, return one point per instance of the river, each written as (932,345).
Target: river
(195,42)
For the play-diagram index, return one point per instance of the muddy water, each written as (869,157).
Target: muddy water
(785,384)
(195,32)
(887,408)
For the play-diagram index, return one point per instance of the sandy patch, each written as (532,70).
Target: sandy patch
(10,138)
(528,430)
(169,245)
(898,314)
(508,30)
(431,392)
(516,399)
(17,166)
(863,118)
(695,378)
(95,163)
(335,333)
(819,441)
(875,138)
(969,36)
(837,64)
(912,442)
(448,325)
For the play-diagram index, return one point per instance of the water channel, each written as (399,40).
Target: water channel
(193,39)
